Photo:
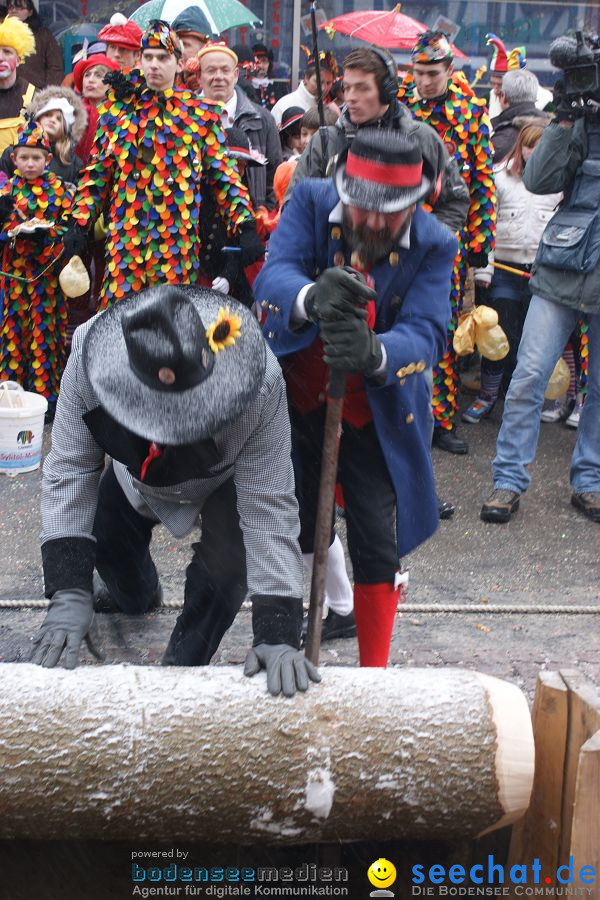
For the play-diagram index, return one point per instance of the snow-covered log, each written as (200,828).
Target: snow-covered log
(123,752)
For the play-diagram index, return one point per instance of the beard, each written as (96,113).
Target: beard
(371,245)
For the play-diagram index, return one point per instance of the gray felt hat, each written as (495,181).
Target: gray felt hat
(382,170)
(155,365)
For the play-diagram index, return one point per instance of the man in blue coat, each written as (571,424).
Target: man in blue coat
(357,278)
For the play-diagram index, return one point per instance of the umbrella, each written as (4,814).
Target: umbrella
(220,14)
(384,28)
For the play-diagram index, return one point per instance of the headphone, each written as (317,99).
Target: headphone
(388,90)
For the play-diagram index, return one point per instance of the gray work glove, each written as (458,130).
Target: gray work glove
(67,624)
(288,669)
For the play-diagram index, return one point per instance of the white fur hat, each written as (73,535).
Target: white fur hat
(63,105)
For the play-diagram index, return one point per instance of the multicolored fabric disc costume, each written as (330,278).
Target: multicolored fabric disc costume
(462,122)
(153,150)
(34,312)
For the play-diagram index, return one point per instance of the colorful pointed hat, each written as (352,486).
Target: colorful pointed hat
(33,135)
(499,61)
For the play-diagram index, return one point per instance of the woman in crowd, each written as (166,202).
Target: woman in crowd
(521,219)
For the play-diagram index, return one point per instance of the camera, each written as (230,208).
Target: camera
(579,59)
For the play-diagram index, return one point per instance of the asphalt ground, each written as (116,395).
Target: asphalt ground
(548,555)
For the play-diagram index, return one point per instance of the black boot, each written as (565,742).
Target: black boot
(445,509)
(334,626)
(447,439)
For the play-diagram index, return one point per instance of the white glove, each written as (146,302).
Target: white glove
(482,277)
(220,284)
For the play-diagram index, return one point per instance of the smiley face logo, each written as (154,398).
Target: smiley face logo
(382,873)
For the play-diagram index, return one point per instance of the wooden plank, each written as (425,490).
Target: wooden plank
(584,721)
(585,832)
(537,834)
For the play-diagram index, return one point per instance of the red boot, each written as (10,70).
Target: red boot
(374,610)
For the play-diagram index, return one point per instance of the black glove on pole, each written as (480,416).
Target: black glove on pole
(251,245)
(337,294)
(74,241)
(351,346)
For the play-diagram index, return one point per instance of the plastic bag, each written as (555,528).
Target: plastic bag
(464,335)
(559,381)
(74,279)
(491,342)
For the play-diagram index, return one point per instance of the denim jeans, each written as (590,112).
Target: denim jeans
(546,331)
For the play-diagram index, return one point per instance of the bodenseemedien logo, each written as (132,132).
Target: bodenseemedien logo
(382,874)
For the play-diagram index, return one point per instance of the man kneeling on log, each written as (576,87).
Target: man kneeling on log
(357,279)
(183,394)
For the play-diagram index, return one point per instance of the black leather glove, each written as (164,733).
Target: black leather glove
(74,241)
(337,294)
(250,244)
(7,204)
(477,259)
(350,345)
(288,669)
(67,624)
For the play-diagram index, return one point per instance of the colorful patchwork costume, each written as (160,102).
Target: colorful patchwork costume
(462,121)
(34,313)
(153,152)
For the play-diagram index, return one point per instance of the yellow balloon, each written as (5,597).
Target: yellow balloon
(382,873)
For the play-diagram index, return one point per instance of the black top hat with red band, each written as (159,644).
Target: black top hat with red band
(383,171)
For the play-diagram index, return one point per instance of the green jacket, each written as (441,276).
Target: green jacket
(552,168)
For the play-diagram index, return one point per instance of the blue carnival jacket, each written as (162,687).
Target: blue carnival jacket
(413,312)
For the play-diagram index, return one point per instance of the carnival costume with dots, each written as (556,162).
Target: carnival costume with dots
(34,312)
(152,153)
(461,120)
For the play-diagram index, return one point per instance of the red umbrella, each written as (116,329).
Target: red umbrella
(383,28)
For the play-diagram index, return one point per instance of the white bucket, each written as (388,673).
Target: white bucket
(21,428)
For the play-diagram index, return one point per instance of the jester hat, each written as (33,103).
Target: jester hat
(33,135)
(432,47)
(501,60)
(160,36)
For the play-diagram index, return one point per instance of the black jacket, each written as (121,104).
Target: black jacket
(261,130)
(508,124)
(451,207)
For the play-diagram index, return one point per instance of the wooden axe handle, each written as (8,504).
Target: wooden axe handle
(329,461)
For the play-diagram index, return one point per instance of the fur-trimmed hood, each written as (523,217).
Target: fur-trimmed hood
(41,98)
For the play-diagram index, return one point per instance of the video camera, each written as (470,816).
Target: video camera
(579,59)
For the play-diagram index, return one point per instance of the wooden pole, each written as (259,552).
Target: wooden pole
(329,465)
(122,753)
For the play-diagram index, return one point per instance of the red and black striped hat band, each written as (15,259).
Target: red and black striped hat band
(290,121)
(392,174)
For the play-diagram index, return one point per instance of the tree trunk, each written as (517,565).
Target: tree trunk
(123,752)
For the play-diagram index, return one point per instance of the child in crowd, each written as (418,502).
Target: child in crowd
(310,124)
(289,132)
(34,313)
(521,219)
(63,117)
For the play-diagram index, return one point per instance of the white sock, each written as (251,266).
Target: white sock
(338,590)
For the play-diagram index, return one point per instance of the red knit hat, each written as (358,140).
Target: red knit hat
(122,32)
(98,59)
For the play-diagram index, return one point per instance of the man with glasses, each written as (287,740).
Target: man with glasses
(219,74)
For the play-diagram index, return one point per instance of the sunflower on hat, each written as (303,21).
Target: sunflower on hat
(224,331)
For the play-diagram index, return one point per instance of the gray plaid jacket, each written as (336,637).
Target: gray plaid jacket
(255,449)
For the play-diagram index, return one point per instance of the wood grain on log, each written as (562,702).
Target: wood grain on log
(121,752)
